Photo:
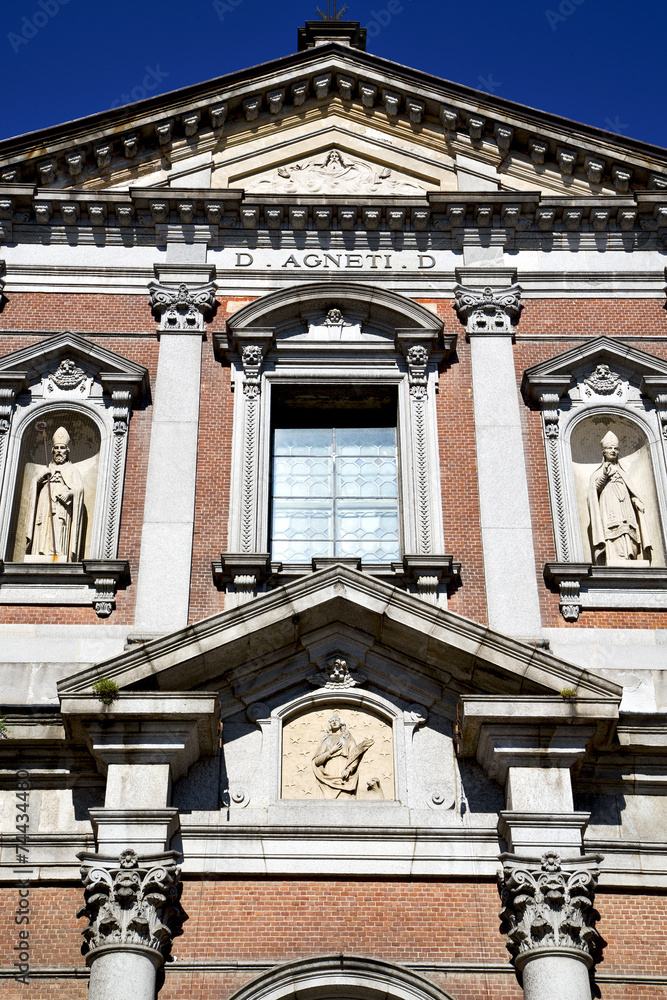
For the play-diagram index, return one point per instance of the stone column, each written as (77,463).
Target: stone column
(163,586)
(507,533)
(134,912)
(549,918)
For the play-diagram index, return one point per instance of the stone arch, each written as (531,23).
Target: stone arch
(344,977)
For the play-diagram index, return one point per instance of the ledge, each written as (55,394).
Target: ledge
(93,581)
(583,585)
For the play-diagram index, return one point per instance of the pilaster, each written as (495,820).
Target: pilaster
(163,587)
(489,313)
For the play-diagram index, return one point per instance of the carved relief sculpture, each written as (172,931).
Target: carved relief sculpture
(618,528)
(55,506)
(336,760)
(335,175)
(131,902)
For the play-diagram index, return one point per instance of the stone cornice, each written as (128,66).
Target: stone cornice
(159,214)
(91,150)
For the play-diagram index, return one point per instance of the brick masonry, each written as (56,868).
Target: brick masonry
(101,317)
(282,920)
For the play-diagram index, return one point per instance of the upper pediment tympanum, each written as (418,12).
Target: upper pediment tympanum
(153,141)
(273,643)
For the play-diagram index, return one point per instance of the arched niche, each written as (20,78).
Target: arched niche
(635,462)
(84,460)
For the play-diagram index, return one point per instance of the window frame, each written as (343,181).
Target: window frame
(285,339)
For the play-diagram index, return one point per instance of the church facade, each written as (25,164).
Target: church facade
(333,528)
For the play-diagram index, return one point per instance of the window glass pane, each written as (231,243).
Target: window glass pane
(303,441)
(302,477)
(335,492)
(301,532)
(366,441)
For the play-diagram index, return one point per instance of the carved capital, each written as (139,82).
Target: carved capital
(182,309)
(132,901)
(488,310)
(548,904)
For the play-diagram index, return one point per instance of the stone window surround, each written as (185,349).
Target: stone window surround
(581,583)
(404,356)
(114,383)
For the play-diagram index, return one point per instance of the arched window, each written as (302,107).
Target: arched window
(335,439)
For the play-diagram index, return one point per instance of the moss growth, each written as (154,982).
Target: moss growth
(106,690)
(568,693)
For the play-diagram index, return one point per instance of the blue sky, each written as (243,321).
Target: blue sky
(589,60)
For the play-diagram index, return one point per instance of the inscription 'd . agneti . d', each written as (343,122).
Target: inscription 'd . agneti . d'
(343,261)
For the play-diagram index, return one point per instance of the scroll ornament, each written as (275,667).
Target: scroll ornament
(182,309)
(549,904)
(488,310)
(132,902)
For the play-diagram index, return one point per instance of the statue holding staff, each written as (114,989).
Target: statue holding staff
(618,528)
(55,507)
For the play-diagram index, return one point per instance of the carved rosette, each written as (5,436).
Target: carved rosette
(488,310)
(548,905)
(132,901)
(182,309)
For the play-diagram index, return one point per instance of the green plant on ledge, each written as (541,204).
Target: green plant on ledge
(4,728)
(568,693)
(106,690)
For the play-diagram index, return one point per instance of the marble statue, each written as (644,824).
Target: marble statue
(618,528)
(55,508)
(336,761)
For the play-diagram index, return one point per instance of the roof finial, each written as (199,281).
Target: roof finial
(336,16)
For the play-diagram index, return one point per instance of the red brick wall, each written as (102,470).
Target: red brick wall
(280,920)
(553,318)
(142,351)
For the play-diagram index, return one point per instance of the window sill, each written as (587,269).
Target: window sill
(244,575)
(93,581)
(583,585)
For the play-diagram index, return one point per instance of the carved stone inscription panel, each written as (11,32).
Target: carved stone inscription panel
(337,753)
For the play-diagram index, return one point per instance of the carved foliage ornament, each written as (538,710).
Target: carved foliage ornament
(550,905)
(417,359)
(251,359)
(603,381)
(132,902)
(488,310)
(182,308)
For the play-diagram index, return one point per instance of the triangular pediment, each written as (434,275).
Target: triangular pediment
(32,363)
(466,139)
(273,643)
(646,371)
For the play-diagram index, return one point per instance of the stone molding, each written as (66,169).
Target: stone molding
(96,580)
(547,905)
(488,311)
(131,901)
(305,82)
(158,215)
(384,339)
(183,309)
(601,377)
(69,372)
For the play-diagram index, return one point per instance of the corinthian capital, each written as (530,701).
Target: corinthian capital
(182,309)
(132,901)
(548,904)
(488,310)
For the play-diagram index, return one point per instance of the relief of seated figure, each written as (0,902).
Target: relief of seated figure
(618,529)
